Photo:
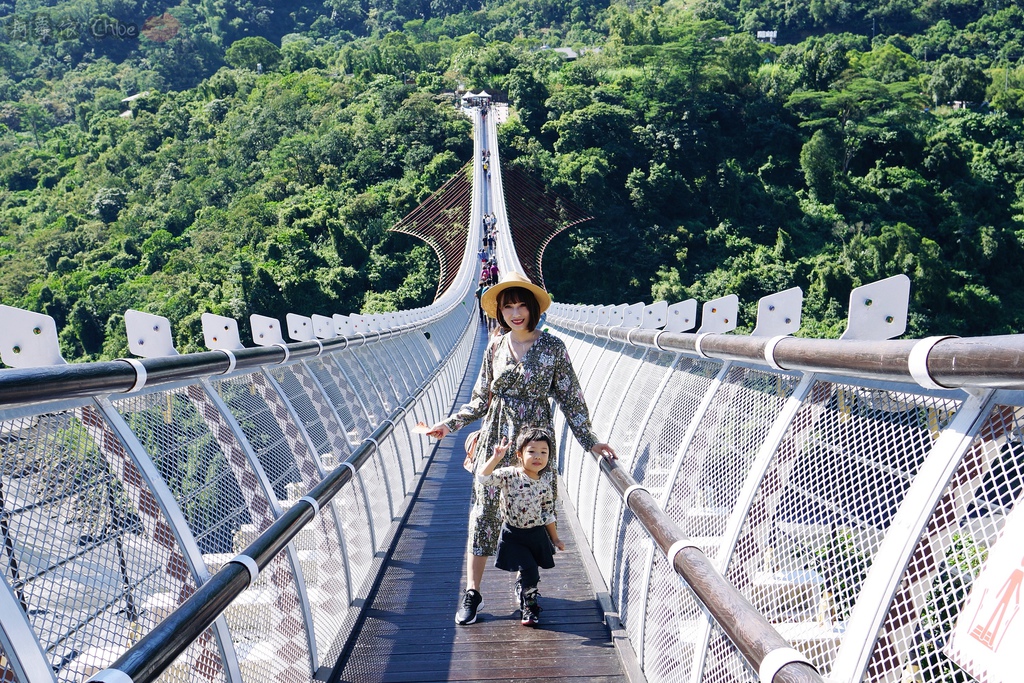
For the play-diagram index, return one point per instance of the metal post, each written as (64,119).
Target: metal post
(684,445)
(655,399)
(595,350)
(907,527)
(25,655)
(322,399)
(343,374)
(400,399)
(362,486)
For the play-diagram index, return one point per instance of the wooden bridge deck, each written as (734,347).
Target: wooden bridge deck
(409,632)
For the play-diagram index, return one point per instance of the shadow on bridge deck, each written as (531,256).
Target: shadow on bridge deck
(409,632)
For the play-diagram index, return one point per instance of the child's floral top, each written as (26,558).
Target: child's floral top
(512,394)
(525,502)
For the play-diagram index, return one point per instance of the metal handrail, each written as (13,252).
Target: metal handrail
(76,380)
(158,649)
(761,645)
(995,362)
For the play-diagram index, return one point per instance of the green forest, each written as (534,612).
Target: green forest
(244,158)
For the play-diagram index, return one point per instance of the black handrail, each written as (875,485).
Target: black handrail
(77,380)
(995,362)
(751,633)
(155,651)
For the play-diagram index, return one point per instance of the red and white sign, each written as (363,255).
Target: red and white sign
(987,638)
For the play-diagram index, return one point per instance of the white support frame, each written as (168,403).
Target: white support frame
(176,520)
(24,652)
(898,545)
(681,450)
(741,508)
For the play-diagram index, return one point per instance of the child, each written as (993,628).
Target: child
(528,509)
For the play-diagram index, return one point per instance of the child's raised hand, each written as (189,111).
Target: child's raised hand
(501,448)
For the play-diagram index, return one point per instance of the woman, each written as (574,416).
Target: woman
(521,371)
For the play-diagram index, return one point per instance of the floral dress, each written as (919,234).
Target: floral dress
(510,395)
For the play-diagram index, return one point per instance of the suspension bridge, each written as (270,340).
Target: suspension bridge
(783,508)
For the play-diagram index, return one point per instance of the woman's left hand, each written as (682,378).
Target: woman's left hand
(605,451)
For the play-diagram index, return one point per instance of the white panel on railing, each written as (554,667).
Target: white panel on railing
(266,331)
(323,327)
(655,316)
(682,316)
(27,339)
(879,310)
(149,336)
(719,315)
(220,332)
(779,313)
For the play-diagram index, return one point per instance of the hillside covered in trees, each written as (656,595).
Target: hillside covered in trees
(248,158)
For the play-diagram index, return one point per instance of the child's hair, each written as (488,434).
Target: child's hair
(528,434)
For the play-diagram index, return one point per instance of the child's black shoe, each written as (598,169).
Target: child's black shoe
(531,610)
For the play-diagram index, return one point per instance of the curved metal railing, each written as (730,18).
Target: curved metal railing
(261,493)
(849,490)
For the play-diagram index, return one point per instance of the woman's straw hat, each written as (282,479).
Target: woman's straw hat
(489,301)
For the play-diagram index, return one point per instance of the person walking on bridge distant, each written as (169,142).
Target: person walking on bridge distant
(521,371)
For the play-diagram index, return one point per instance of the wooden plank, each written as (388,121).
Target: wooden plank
(408,630)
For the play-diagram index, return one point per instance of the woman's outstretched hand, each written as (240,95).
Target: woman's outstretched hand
(439,431)
(605,451)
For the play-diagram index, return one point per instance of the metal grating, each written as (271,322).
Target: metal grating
(95,562)
(92,572)
(314,417)
(626,385)
(673,624)
(262,430)
(367,395)
(658,449)
(592,373)
(663,620)
(823,507)
(380,378)
(224,507)
(398,370)
(378,494)
(410,348)
(986,487)
(623,365)
(342,399)
(265,419)
(719,456)
(630,580)
(637,403)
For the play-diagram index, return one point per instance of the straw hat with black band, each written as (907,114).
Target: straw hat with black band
(489,301)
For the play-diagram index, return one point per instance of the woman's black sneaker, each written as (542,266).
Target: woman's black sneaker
(471,602)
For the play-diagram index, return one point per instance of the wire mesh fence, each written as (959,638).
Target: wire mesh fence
(797,487)
(790,484)
(113,510)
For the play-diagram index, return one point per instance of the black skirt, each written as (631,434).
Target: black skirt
(524,549)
